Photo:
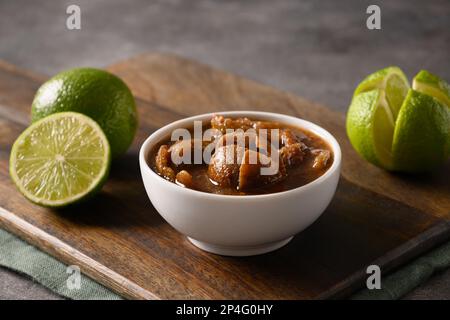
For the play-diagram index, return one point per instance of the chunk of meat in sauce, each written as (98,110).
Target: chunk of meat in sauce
(250,173)
(225,164)
(162,163)
(293,151)
(184,179)
(244,139)
(221,123)
(292,155)
(321,159)
(179,148)
(242,127)
(249,140)
(235,166)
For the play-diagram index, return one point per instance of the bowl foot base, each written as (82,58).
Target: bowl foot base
(240,251)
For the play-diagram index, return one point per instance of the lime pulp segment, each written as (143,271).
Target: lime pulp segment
(374,115)
(60,159)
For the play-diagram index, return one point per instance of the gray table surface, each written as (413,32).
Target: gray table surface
(317,49)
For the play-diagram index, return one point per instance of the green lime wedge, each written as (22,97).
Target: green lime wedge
(433,86)
(421,140)
(373,112)
(398,128)
(60,159)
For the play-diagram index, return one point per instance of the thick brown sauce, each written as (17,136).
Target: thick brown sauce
(297,176)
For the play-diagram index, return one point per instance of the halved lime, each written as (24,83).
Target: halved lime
(398,128)
(60,159)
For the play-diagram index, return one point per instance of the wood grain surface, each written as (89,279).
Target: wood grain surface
(120,240)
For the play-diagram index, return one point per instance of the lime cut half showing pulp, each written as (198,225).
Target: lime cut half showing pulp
(60,159)
(373,112)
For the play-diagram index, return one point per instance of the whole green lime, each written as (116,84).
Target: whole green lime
(95,93)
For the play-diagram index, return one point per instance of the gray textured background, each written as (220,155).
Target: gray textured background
(317,49)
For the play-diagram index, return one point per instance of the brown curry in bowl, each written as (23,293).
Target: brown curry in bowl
(239,155)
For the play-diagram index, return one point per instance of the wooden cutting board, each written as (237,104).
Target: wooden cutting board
(120,240)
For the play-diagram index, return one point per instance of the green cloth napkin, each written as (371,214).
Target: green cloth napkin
(18,255)
(399,283)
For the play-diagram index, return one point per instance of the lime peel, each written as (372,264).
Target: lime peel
(431,85)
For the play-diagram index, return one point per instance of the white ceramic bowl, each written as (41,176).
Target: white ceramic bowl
(240,225)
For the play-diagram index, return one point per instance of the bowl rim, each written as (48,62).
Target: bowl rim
(304,124)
